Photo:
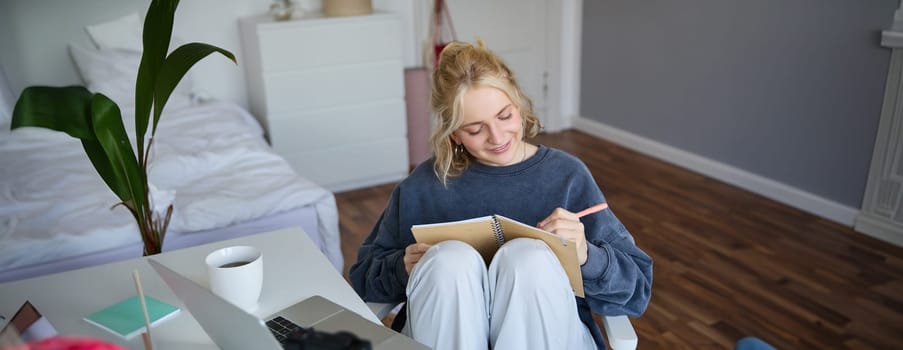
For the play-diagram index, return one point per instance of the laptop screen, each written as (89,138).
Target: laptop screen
(227,325)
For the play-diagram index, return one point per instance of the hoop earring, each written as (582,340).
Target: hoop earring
(459,150)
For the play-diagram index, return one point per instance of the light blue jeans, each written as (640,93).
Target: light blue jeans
(522,301)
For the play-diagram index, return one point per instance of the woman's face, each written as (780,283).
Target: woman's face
(492,128)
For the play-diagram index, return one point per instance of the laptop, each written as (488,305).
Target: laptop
(230,327)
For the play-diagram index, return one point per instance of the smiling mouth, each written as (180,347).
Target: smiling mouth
(501,149)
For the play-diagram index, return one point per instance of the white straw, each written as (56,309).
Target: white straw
(147,338)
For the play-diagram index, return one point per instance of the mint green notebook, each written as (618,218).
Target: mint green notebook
(125,318)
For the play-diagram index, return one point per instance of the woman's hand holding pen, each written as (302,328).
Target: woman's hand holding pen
(412,255)
(567,225)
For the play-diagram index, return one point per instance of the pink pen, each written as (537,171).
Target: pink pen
(593,209)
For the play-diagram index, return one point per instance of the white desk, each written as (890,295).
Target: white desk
(293,270)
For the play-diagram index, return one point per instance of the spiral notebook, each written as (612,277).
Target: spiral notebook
(486,234)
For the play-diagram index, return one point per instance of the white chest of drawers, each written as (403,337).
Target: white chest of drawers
(330,94)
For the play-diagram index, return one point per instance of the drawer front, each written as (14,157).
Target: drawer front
(334,86)
(353,163)
(302,131)
(303,45)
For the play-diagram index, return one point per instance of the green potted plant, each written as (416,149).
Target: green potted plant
(97,121)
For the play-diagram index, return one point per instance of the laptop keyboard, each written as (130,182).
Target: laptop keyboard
(281,328)
(293,336)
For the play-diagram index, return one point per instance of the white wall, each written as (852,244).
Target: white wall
(33,52)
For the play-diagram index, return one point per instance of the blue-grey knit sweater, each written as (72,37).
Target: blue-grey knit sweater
(617,275)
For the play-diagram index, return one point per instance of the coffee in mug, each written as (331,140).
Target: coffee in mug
(236,275)
(235,264)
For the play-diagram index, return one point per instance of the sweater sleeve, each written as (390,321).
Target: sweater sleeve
(617,275)
(379,274)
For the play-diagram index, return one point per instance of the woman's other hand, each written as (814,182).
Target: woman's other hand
(565,224)
(412,255)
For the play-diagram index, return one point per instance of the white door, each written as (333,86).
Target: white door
(516,30)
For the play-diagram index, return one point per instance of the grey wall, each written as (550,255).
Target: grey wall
(786,89)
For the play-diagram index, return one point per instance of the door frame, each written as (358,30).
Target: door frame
(565,21)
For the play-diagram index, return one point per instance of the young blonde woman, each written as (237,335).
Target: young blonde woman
(482,165)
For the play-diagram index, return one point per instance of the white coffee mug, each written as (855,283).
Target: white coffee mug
(236,274)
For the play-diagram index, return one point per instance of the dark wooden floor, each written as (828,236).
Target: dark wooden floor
(728,263)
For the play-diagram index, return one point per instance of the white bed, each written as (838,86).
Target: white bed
(209,159)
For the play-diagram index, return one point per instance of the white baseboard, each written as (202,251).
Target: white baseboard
(780,192)
(879,228)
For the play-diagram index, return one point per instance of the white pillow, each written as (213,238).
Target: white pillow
(125,33)
(114,72)
(121,33)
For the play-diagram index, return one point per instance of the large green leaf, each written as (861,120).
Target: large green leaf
(66,109)
(157,34)
(102,164)
(69,110)
(174,68)
(107,124)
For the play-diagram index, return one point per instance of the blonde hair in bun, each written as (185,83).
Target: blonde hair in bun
(462,67)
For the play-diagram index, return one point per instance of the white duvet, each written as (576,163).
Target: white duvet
(210,161)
